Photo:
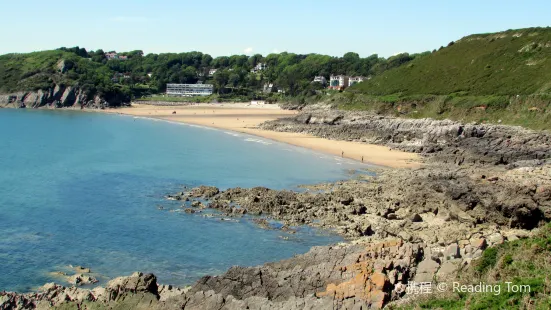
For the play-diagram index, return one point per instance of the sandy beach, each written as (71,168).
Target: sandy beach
(244,118)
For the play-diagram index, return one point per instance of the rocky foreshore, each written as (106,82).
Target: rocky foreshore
(444,141)
(480,185)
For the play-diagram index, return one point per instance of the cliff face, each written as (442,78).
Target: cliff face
(59,97)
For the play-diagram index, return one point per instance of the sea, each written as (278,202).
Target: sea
(88,189)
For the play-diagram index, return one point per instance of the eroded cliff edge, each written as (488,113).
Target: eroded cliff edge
(60,96)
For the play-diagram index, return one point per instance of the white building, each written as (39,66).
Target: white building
(189,90)
(355,80)
(269,88)
(212,72)
(320,79)
(338,81)
(259,67)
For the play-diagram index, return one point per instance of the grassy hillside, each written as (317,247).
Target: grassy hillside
(521,262)
(28,71)
(514,62)
(500,78)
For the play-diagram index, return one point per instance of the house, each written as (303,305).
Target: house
(150,74)
(212,72)
(355,80)
(320,79)
(259,67)
(338,82)
(111,55)
(189,90)
(269,88)
(114,55)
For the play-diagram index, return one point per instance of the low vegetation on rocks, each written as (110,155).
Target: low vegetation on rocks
(520,268)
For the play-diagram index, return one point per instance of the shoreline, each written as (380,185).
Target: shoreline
(243,118)
(404,225)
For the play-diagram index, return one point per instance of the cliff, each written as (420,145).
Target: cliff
(57,79)
(59,97)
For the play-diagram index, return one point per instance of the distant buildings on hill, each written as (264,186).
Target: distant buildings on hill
(320,79)
(259,67)
(340,82)
(114,55)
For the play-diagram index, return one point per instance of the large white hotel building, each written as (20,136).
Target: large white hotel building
(189,90)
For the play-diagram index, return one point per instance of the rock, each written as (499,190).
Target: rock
(426,270)
(452,251)
(495,238)
(80,279)
(416,218)
(204,192)
(137,282)
(448,270)
(479,243)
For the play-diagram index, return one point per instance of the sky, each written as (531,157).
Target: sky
(221,27)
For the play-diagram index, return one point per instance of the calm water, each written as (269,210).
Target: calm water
(84,189)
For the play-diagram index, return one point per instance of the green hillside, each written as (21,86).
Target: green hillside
(514,62)
(500,77)
(139,75)
(43,70)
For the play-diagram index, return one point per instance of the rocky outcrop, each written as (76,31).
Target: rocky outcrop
(361,275)
(444,140)
(430,204)
(59,96)
(138,289)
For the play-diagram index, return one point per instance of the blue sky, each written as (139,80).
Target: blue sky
(221,27)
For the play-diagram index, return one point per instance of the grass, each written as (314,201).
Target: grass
(28,71)
(530,111)
(496,78)
(524,262)
(507,63)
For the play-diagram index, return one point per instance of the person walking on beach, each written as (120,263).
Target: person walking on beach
(342,154)
(362,159)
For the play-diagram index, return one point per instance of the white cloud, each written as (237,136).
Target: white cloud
(129,19)
(248,50)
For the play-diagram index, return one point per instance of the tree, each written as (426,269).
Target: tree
(206,61)
(221,78)
(289,79)
(255,59)
(234,79)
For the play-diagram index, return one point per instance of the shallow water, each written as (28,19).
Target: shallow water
(84,189)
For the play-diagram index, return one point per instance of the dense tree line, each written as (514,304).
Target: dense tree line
(288,71)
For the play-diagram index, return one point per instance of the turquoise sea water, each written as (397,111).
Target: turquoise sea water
(84,189)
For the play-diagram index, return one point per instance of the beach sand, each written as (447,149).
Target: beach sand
(244,118)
